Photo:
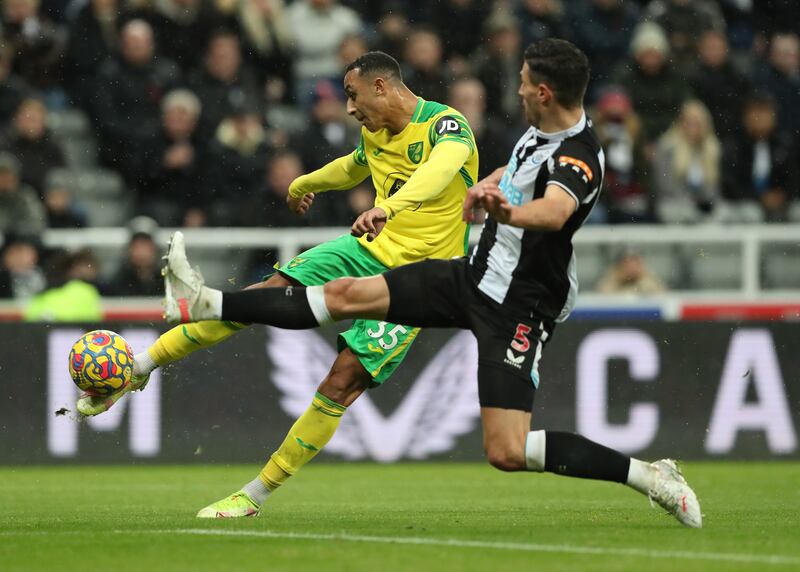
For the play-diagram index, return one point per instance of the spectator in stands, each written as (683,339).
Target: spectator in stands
(351,48)
(37,43)
(656,89)
(170,175)
(630,275)
(424,71)
(267,38)
(687,167)
(331,132)
(12,88)
(324,24)
(59,203)
(717,83)
(235,165)
(128,97)
(540,19)
(182,27)
(224,82)
(684,21)
(267,206)
(625,182)
(140,272)
(29,140)
(780,77)
(392,30)
(93,38)
(75,297)
(21,211)
(761,163)
(603,29)
(20,274)
(494,139)
(496,64)
(465,18)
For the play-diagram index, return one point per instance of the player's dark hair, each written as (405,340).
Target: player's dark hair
(562,66)
(376,63)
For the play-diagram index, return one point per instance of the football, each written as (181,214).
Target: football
(101,362)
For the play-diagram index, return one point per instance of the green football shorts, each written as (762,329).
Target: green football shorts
(379,346)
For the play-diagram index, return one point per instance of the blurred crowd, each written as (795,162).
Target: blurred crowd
(204,111)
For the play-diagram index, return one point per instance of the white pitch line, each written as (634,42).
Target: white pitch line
(455,543)
(514,546)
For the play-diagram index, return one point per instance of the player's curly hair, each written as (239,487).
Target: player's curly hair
(376,62)
(562,66)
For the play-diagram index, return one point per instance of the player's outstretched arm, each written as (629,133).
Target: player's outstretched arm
(548,213)
(338,175)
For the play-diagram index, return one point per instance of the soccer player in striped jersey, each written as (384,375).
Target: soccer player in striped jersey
(421,157)
(513,290)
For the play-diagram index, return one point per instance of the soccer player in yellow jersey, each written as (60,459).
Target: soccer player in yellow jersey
(422,158)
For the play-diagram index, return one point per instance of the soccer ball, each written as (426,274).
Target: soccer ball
(101,362)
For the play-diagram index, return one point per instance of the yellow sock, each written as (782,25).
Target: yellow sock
(182,340)
(309,434)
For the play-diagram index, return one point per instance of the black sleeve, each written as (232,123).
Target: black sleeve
(575,168)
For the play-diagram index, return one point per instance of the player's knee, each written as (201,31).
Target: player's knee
(505,458)
(338,295)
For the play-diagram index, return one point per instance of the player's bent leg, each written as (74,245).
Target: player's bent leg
(346,380)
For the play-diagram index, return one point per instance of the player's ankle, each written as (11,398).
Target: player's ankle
(143,364)
(641,476)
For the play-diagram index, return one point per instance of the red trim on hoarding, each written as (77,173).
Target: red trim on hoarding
(740,312)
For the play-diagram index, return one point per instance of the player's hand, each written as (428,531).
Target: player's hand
(300,206)
(369,222)
(497,205)
(476,196)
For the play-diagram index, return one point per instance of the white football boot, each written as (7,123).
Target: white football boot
(674,495)
(89,404)
(185,296)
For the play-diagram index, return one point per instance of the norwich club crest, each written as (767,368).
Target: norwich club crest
(415,152)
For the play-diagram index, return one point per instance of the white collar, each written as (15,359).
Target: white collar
(569,132)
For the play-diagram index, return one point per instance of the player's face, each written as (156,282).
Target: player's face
(531,96)
(362,101)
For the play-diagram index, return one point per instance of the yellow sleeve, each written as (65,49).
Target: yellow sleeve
(340,174)
(430,179)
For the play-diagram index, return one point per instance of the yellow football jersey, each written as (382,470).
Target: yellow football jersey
(433,229)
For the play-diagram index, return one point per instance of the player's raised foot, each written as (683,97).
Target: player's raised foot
(90,404)
(234,506)
(673,494)
(185,297)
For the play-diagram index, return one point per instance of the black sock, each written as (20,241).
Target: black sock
(282,307)
(574,455)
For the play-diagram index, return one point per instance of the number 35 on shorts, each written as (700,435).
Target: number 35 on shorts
(388,335)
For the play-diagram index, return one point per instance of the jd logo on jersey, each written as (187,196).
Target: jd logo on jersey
(415,152)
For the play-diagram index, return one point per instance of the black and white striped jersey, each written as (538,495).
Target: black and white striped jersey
(531,271)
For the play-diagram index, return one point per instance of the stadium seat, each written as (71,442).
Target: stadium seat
(738,212)
(780,269)
(80,152)
(714,266)
(677,212)
(794,211)
(222,268)
(592,263)
(68,123)
(98,183)
(666,262)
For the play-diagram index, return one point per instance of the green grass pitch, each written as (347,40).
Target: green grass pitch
(419,517)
